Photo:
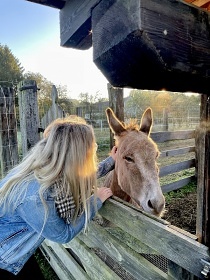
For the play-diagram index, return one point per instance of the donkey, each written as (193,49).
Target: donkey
(135,177)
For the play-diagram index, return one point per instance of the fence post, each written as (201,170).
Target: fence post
(165,119)
(116,103)
(54,112)
(29,114)
(8,130)
(203,174)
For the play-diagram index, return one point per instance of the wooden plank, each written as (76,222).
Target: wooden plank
(67,260)
(176,167)
(56,263)
(169,44)
(94,266)
(163,136)
(173,245)
(59,4)
(177,184)
(203,173)
(176,272)
(200,3)
(175,152)
(128,259)
(192,236)
(75,24)
(130,241)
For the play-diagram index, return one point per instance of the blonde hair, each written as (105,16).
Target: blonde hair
(66,152)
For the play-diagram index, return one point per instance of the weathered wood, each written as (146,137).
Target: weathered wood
(142,45)
(54,112)
(67,261)
(176,167)
(176,152)
(59,4)
(203,173)
(177,184)
(165,119)
(116,103)
(8,131)
(29,114)
(135,244)
(163,136)
(75,24)
(169,243)
(94,266)
(55,258)
(129,260)
(176,272)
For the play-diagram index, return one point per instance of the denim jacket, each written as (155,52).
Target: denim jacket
(23,230)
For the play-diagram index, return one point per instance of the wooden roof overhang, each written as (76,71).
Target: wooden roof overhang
(204,4)
(147,44)
(59,4)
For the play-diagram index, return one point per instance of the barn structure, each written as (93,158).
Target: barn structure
(149,44)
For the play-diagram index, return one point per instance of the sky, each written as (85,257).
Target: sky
(32,33)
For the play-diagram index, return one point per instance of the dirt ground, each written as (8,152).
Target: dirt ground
(181,212)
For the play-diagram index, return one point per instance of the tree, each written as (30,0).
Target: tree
(87,102)
(11,71)
(177,105)
(138,101)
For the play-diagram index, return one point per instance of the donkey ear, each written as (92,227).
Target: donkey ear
(114,124)
(146,121)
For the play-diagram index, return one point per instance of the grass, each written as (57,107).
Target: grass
(180,193)
(45,267)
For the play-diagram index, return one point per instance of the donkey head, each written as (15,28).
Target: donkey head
(136,169)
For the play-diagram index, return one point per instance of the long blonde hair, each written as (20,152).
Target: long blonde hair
(66,152)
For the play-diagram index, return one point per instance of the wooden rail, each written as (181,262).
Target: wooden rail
(126,236)
(162,137)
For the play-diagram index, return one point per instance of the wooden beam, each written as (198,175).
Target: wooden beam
(152,44)
(59,4)
(203,174)
(200,3)
(75,24)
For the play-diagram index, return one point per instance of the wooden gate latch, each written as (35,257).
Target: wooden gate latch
(206,268)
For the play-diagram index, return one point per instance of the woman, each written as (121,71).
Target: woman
(52,193)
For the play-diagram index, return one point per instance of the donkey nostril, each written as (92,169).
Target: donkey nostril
(150,204)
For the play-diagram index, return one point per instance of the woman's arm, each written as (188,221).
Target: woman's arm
(108,164)
(54,228)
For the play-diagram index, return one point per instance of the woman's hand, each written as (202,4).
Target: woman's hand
(113,153)
(103,193)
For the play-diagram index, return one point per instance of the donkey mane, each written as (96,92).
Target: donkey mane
(131,125)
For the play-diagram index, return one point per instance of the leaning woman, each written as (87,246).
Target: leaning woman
(52,194)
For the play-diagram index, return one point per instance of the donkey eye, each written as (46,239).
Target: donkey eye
(129,159)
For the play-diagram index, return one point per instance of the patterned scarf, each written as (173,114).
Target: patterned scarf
(65,204)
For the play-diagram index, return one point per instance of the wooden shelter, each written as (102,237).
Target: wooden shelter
(149,44)
(143,44)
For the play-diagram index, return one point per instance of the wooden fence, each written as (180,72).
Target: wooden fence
(8,131)
(125,243)
(128,244)
(163,137)
(30,125)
